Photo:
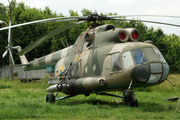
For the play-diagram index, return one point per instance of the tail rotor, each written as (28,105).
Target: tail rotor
(9,47)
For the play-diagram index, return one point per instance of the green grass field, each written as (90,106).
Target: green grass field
(27,101)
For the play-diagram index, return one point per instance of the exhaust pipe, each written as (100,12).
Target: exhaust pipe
(134,34)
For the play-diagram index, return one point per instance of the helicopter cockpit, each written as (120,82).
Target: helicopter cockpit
(149,64)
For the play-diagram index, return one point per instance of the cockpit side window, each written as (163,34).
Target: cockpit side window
(159,55)
(139,56)
(116,63)
(127,60)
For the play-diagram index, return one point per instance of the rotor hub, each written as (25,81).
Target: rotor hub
(94,17)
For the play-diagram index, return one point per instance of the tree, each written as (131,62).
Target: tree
(169,45)
(3,34)
(86,12)
(173,49)
(2,9)
(25,35)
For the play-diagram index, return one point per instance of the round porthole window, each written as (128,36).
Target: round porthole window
(85,69)
(94,67)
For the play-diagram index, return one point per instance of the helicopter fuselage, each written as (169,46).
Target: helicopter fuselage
(104,58)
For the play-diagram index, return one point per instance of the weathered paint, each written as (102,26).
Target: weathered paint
(104,41)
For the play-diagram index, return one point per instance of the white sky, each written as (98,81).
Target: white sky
(121,7)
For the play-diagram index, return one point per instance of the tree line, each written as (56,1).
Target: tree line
(22,36)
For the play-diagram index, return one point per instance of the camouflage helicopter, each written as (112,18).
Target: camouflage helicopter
(103,58)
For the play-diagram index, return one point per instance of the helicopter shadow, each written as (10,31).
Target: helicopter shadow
(143,106)
(113,104)
(152,107)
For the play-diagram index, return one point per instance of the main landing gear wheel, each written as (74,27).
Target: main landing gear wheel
(129,98)
(50,98)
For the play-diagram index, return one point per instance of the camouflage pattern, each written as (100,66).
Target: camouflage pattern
(95,49)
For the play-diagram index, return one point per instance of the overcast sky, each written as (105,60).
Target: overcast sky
(121,7)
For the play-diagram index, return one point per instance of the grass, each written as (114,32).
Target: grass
(27,101)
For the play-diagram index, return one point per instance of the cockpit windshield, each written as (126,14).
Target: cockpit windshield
(153,66)
(153,54)
(159,55)
(139,56)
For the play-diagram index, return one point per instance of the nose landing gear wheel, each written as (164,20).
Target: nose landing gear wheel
(50,98)
(130,98)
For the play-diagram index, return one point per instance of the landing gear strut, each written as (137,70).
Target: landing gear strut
(129,98)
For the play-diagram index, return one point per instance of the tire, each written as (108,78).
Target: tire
(50,98)
(128,100)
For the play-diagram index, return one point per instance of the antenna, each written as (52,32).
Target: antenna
(63,43)
(67,43)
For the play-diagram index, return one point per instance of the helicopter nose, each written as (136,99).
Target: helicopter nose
(151,72)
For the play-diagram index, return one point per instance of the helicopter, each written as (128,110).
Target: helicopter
(103,58)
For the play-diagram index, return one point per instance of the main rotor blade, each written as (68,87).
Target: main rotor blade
(115,16)
(49,35)
(4,54)
(44,20)
(64,20)
(145,21)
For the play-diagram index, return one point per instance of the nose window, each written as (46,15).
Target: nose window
(156,67)
(165,71)
(139,56)
(143,72)
(154,78)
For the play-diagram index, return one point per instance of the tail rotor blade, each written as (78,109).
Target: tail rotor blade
(11,57)
(46,37)
(4,54)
